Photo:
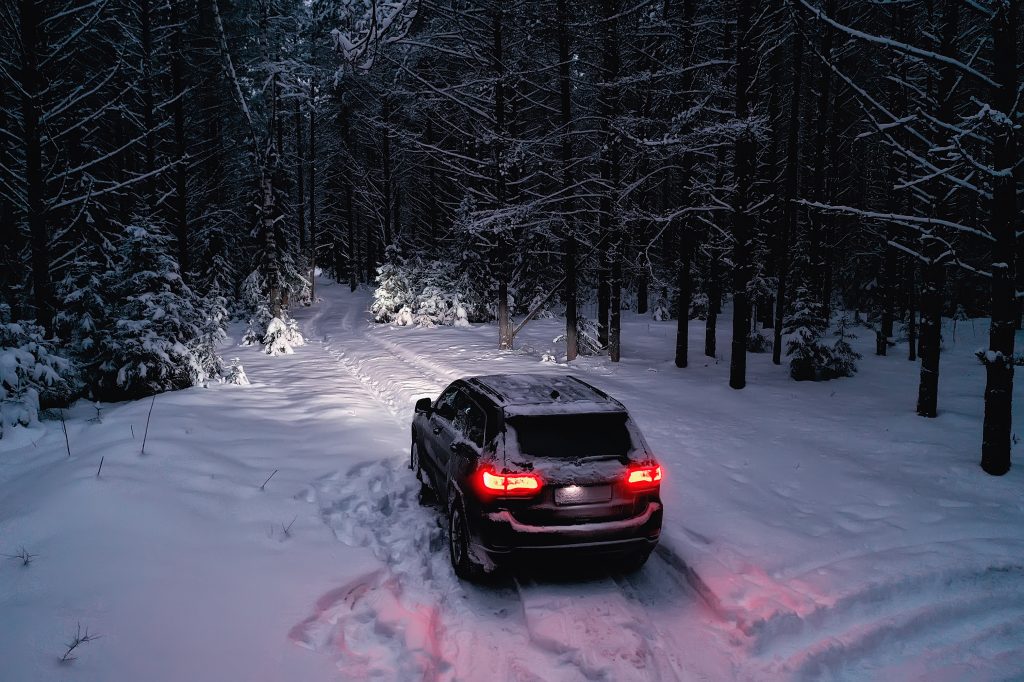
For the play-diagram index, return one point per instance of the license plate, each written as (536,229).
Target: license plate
(583,494)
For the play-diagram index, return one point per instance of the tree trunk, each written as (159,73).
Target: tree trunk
(271,265)
(504,320)
(615,305)
(822,164)
(432,189)
(789,226)
(385,162)
(685,295)
(148,107)
(571,311)
(998,424)
(300,172)
(931,331)
(742,229)
(181,170)
(34,181)
(614,149)
(312,191)
(714,295)
(350,218)
(602,287)
(912,312)
(569,240)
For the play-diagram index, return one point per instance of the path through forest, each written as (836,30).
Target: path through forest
(273,531)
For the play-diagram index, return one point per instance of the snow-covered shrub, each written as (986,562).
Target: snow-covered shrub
(252,304)
(163,336)
(404,318)
(413,291)
(394,292)
(207,363)
(278,335)
(32,375)
(699,306)
(84,317)
(812,359)
(256,327)
(843,360)
(461,316)
(586,337)
(660,311)
(545,306)
(234,373)
(758,342)
(986,357)
(808,356)
(282,336)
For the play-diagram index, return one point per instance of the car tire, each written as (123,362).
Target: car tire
(633,562)
(426,494)
(458,545)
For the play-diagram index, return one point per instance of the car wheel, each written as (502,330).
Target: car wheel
(426,495)
(634,562)
(458,545)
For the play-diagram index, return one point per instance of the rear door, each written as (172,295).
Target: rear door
(437,438)
(468,437)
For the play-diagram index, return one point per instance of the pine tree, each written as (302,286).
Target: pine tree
(164,336)
(809,357)
(32,374)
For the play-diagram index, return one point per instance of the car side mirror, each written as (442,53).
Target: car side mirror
(423,406)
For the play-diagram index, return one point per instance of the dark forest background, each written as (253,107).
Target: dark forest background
(165,166)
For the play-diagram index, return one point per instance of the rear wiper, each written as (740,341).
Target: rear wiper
(598,458)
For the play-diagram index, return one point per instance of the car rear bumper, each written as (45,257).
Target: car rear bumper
(501,535)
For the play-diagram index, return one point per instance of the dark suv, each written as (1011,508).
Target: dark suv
(529,465)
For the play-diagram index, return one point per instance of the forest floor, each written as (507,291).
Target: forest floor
(811,530)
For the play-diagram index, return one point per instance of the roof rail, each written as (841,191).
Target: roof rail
(595,389)
(487,389)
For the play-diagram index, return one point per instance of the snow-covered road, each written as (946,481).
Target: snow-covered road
(602,627)
(812,531)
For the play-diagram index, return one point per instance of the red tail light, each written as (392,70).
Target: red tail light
(520,484)
(638,477)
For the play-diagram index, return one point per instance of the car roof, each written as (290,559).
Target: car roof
(543,394)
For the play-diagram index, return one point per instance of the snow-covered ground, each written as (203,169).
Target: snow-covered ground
(812,530)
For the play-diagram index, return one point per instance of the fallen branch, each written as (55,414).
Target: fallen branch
(23,556)
(80,639)
(263,487)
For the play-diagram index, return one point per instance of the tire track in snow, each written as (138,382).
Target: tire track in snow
(396,390)
(412,619)
(884,627)
(600,629)
(901,627)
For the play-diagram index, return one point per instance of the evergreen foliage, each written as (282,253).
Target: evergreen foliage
(32,374)
(163,336)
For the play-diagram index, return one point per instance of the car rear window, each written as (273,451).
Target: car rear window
(572,436)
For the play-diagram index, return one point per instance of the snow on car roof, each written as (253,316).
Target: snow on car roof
(567,392)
